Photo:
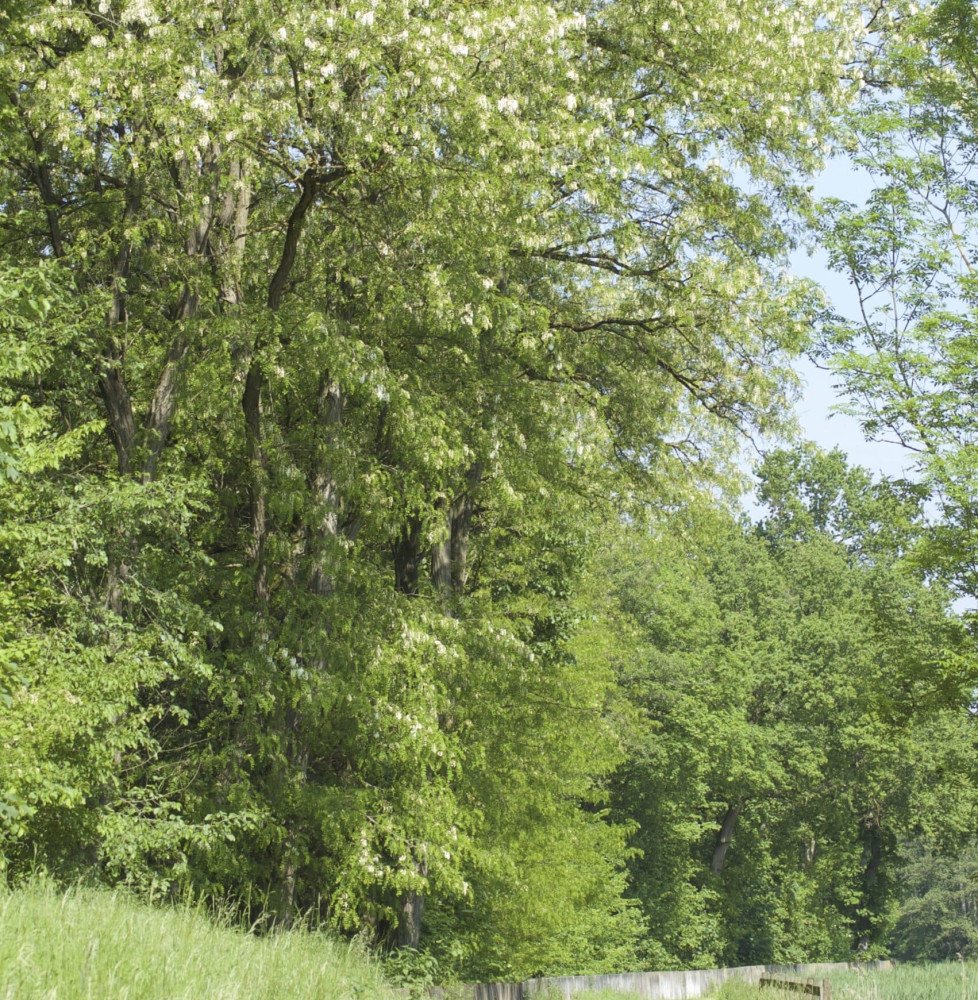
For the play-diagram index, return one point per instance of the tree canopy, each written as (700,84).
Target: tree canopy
(372,384)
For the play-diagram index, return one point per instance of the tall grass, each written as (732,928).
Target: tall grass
(951,981)
(87,944)
(948,981)
(555,994)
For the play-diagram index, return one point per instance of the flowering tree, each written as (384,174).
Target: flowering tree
(379,307)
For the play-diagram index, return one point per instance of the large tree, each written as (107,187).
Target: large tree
(376,308)
(906,360)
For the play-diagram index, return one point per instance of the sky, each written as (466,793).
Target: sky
(817,407)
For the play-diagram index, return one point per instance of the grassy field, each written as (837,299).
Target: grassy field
(87,944)
(952,981)
(97,945)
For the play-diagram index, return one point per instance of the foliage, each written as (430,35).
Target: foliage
(70,671)
(906,362)
(937,919)
(345,347)
(801,703)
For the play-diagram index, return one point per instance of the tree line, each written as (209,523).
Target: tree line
(372,389)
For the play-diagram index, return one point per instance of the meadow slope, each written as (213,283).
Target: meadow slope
(87,944)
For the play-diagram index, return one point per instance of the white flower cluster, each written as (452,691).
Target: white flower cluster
(140,12)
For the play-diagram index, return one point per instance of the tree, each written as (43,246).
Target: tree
(800,700)
(937,919)
(381,308)
(906,363)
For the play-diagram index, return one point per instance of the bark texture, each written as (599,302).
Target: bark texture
(724,839)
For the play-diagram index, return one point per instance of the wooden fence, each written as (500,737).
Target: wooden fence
(682,984)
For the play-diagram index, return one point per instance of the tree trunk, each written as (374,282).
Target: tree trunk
(410,912)
(441,554)
(448,566)
(870,901)
(329,413)
(724,838)
(295,753)
(407,558)
(461,527)
(251,400)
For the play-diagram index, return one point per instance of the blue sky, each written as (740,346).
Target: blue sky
(816,408)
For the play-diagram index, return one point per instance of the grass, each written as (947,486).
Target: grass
(598,995)
(951,981)
(590,995)
(606,995)
(948,981)
(87,944)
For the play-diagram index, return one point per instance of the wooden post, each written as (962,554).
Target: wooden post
(820,988)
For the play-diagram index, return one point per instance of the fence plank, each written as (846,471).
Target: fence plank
(820,988)
(684,984)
